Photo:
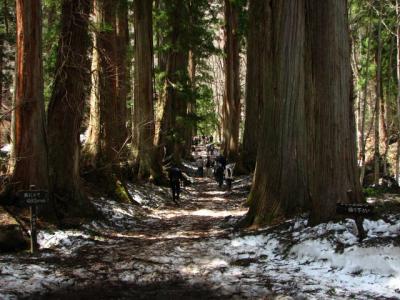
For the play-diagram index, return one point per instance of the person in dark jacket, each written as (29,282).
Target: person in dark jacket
(175,177)
(219,169)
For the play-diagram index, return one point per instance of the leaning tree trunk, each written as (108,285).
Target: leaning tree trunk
(148,158)
(30,148)
(279,188)
(66,107)
(231,104)
(254,83)
(332,156)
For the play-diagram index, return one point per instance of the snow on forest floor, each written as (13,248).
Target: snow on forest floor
(162,250)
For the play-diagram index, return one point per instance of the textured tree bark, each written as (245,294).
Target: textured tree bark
(104,146)
(30,137)
(256,44)
(231,105)
(107,125)
(66,107)
(333,170)
(307,150)
(106,43)
(280,180)
(92,146)
(148,158)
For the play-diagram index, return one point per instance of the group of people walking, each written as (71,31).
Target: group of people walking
(202,139)
(212,165)
(217,167)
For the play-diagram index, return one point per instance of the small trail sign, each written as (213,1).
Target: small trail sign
(357,212)
(355,209)
(32,198)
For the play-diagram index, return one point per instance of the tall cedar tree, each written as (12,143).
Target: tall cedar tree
(257,29)
(29,161)
(107,124)
(122,74)
(173,102)
(279,187)
(333,171)
(147,157)
(306,157)
(231,103)
(66,107)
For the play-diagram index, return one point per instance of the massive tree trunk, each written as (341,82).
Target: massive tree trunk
(30,147)
(333,168)
(280,181)
(66,106)
(231,105)
(307,150)
(256,44)
(147,158)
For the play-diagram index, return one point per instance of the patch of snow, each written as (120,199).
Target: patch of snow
(83,137)
(68,241)
(381,228)
(6,148)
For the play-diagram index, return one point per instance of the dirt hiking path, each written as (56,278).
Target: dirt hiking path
(161,255)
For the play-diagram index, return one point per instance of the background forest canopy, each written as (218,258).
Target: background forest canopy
(119,89)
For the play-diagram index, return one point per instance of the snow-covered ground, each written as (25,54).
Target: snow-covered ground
(194,242)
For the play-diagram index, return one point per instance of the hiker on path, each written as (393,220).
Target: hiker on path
(200,167)
(208,167)
(220,164)
(210,149)
(175,176)
(229,176)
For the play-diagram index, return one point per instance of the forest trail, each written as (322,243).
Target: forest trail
(200,212)
(155,255)
(190,251)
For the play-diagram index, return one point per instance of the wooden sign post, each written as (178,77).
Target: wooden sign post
(33,198)
(357,212)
